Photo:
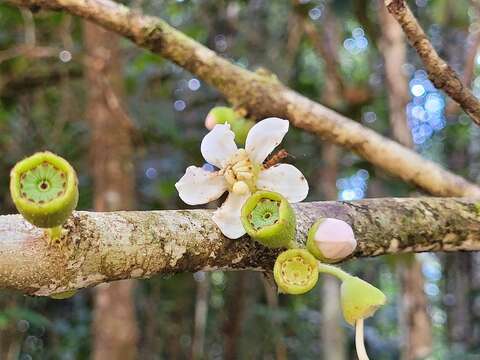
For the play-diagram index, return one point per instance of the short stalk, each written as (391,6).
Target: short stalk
(293,245)
(55,233)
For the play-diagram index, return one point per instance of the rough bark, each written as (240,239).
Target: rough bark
(114,320)
(263,95)
(101,247)
(439,72)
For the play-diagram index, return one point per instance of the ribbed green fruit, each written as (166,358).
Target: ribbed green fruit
(44,188)
(269,219)
(295,271)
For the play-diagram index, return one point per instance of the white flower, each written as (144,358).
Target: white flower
(241,173)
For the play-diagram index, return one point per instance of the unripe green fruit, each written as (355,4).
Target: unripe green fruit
(239,125)
(295,271)
(269,219)
(359,299)
(44,188)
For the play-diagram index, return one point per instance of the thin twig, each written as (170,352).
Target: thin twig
(439,72)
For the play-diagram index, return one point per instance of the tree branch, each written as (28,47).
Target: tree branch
(439,72)
(264,95)
(100,247)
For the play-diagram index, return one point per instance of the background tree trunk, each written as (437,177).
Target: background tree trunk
(201,314)
(235,313)
(332,331)
(414,319)
(114,322)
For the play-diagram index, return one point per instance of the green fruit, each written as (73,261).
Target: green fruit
(44,188)
(295,271)
(359,299)
(269,219)
(239,125)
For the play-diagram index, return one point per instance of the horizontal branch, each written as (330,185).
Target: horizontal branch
(101,247)
(263,95)
(439,72)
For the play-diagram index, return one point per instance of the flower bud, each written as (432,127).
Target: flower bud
(295,271)
(269,219)
(359,299)
(331,240)
(239,125)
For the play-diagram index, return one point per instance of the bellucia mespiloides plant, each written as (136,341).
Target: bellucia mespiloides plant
(259,200)
(241,173)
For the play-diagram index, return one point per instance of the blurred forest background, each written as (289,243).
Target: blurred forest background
(131,122)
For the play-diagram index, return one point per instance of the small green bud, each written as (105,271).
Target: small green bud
(269,219)
(238,124)
(331,240)
(295,271)
(359,299)
(63,295)
(44,188)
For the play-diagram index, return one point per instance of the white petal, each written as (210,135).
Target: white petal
(218,145)
(265,136)
(285,179)
(199,186)
(227,217)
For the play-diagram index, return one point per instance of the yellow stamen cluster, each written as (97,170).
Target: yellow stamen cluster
(240,173)
(301,274)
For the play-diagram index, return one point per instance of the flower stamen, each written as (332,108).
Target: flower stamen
(239,173)
(240,188)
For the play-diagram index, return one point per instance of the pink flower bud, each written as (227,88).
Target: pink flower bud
(331,240)
(210,121)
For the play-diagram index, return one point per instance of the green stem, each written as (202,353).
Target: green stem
(55,232)
(292,245)
(333,270)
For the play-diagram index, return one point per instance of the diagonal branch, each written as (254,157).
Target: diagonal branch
(439,72)
(100,247)
(264,95)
